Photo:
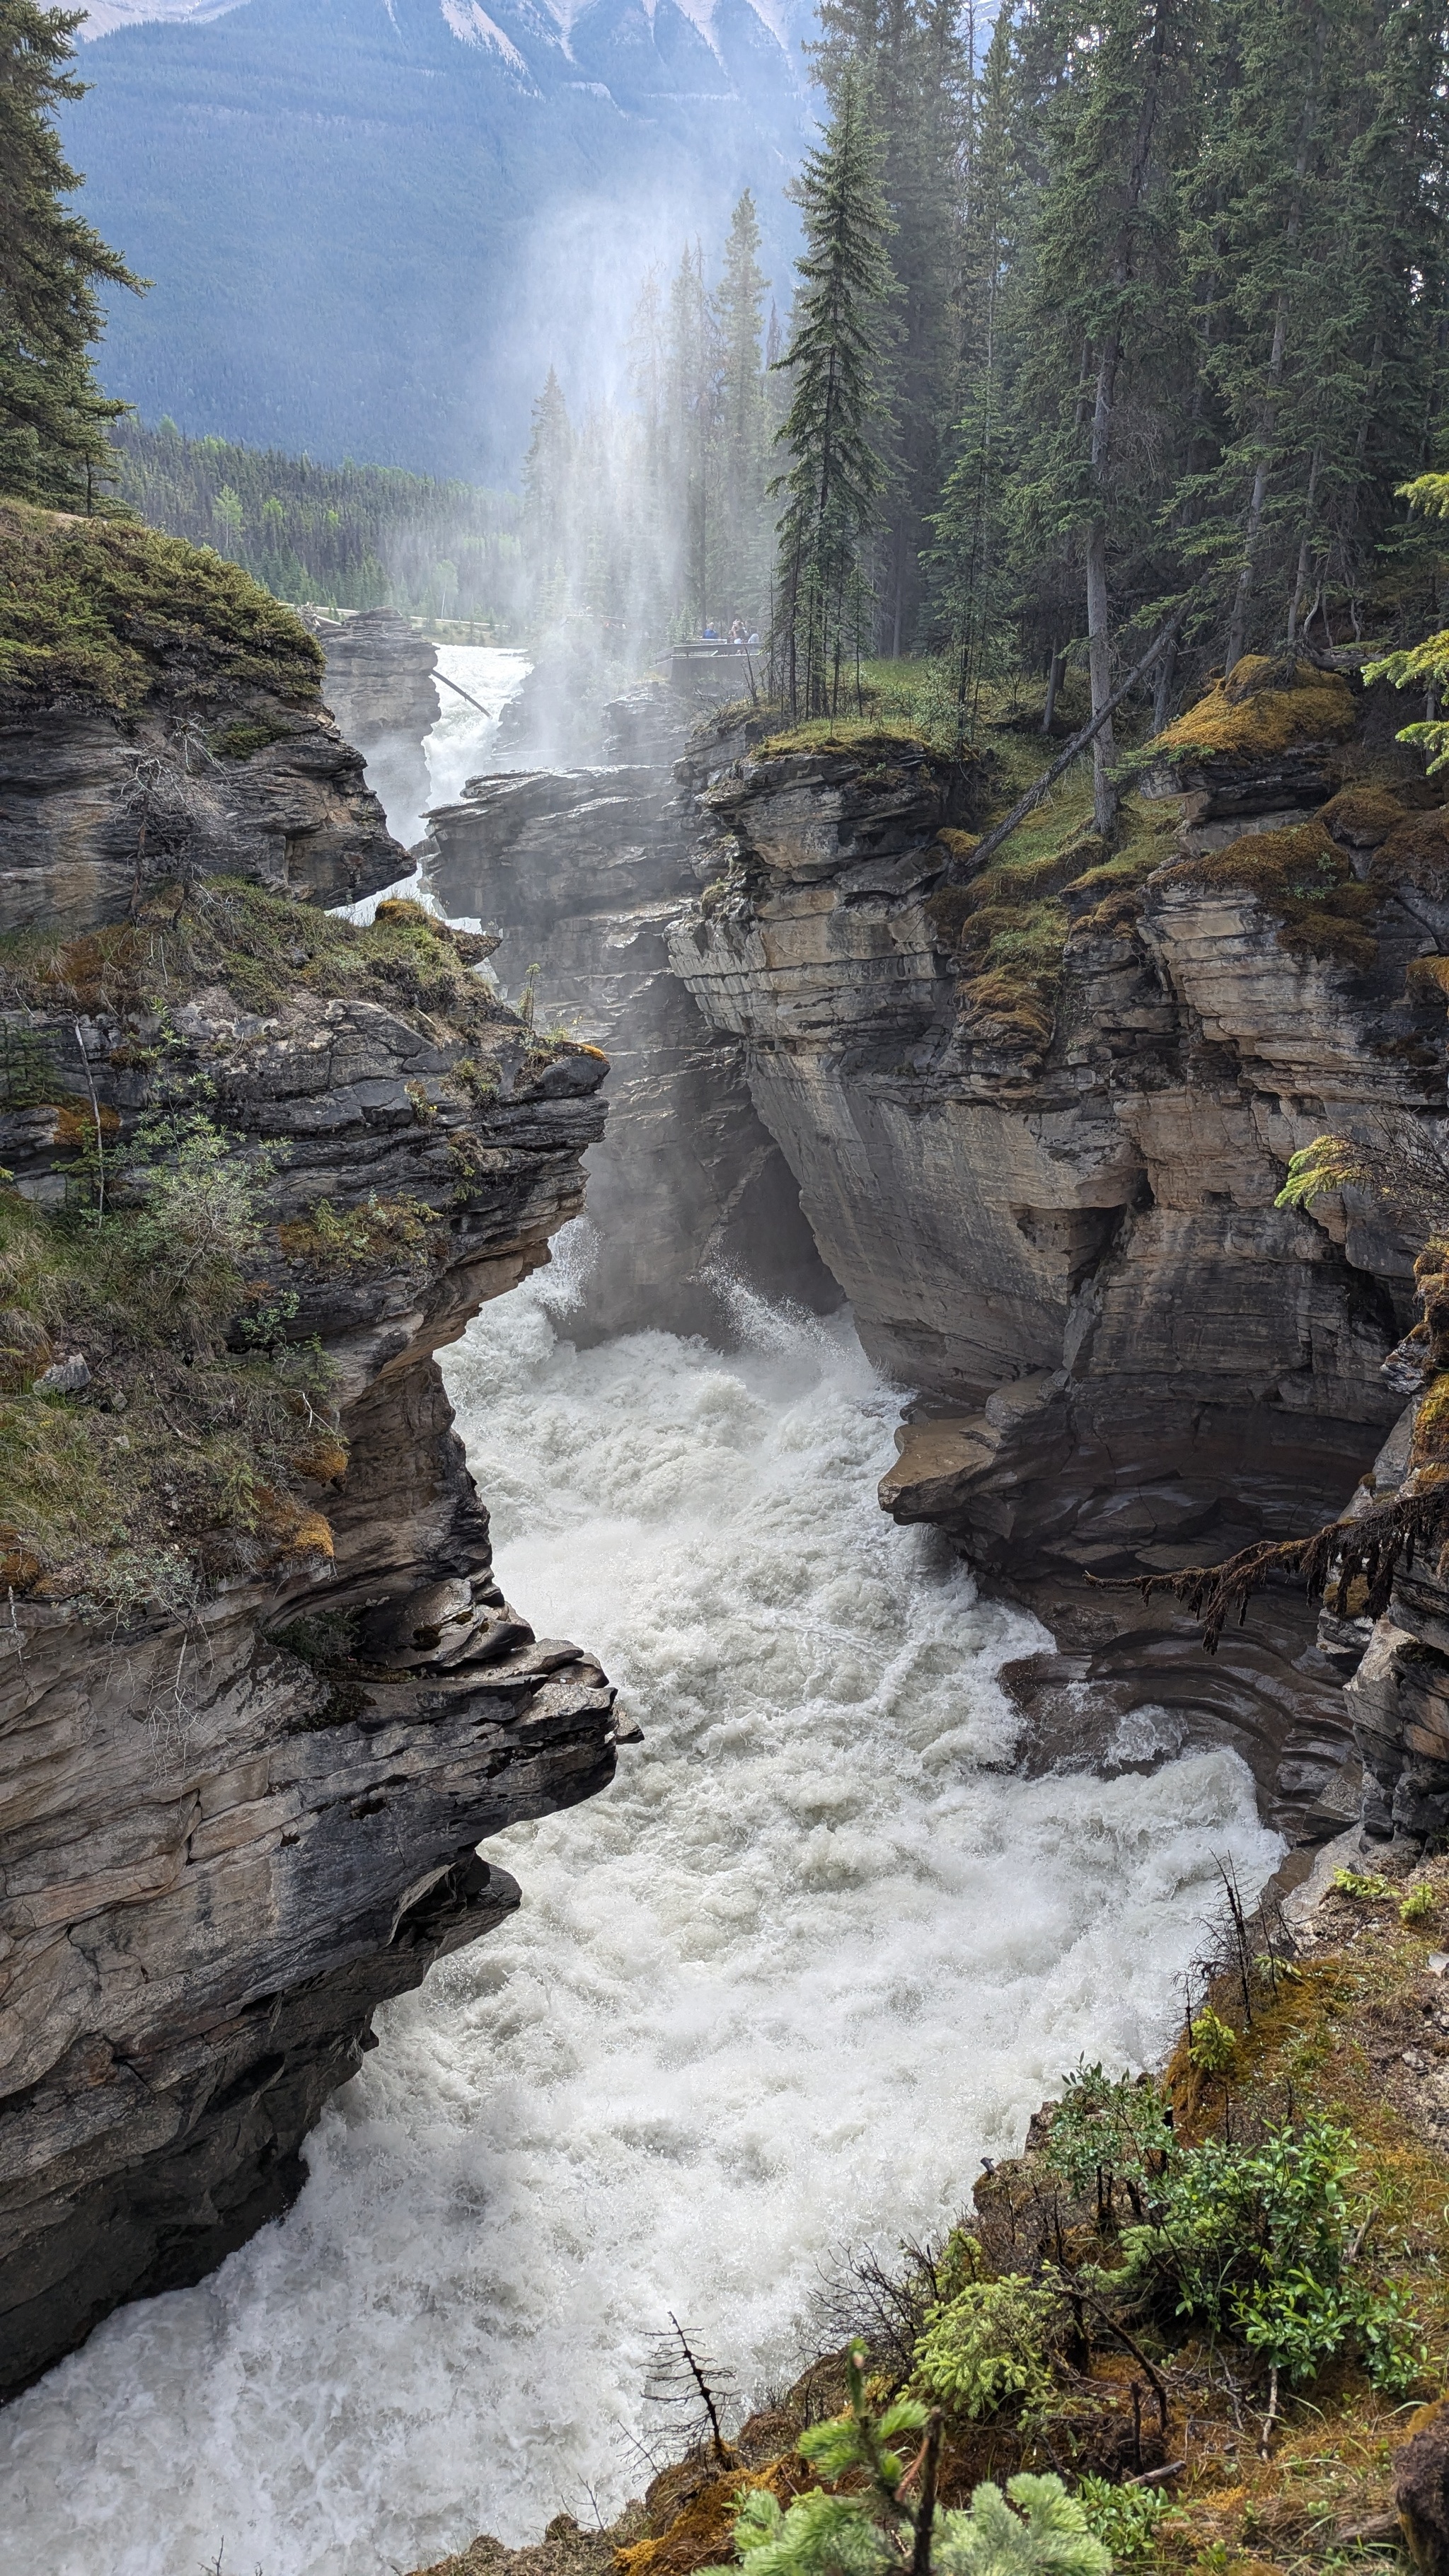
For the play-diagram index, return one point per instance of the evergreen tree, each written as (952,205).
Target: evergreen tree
(1105,312)
(966,558)
(1318,256)
(546,484)
(745,519)
(693,413)
(52,413)
(832,431)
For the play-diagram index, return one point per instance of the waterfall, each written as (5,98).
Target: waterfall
(824,1944)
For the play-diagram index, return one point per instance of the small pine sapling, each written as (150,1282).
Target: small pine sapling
(889,2520)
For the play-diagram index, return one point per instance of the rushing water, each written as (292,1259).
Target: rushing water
(459,747)
(818,1950)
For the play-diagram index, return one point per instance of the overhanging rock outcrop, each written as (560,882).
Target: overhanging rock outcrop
(181,717)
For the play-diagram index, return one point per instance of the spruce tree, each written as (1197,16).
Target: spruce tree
(1106,309)
(52,414)
(1318,259)
(547,517)
(832,432)
(745,519)
(966,557)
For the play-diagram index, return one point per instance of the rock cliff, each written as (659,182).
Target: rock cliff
(260,1697)
(379,685)
(1040,1115)
(155,703)
(581,872)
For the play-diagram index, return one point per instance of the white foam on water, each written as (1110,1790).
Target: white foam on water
(460,745)
(818,1950)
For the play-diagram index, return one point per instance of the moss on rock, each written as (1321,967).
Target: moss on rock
(1304,877)
(101,609)
(1264,708)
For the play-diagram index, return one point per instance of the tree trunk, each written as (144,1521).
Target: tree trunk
(1054,682)
(1162,686)
(1104,794)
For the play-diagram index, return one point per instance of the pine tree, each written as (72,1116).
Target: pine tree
(1318,258)
(1106,308)
(547,518)
(52,413)
(966,558)
(745,519)
(833,428)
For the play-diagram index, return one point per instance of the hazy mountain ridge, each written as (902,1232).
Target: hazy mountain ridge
(410,208)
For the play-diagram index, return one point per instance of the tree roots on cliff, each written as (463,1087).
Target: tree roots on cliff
(1359,1558)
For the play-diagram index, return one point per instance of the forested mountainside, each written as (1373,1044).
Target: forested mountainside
(340,536)
(355,212)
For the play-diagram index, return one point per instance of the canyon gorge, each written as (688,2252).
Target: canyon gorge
(906,1761)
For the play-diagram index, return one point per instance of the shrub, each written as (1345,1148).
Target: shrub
(1124,2519)
(1214,2043)
(990,2345)
(1104,2131)
(1259,2243)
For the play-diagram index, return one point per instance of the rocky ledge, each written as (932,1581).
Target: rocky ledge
(157,706)
(260,1697)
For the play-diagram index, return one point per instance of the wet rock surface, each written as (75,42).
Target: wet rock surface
(379,685)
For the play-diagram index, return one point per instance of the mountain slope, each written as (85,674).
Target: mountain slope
(372,223)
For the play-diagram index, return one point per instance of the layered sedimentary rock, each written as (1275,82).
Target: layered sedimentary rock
(182,715)
(379,685)
(1052,1204)
(260,1699)
(582,871)
(218,1857)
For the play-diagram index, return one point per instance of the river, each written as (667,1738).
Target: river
(821,1947)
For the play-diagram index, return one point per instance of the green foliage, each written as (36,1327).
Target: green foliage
(199,1199)
(1366,1886)
(1106,2127)
(1214,2043)
(1261,2243)
(990,2346)
(1317,1171)
(834,476)
(873,2528)
(52,414)
(1418,1907)
(101,610)
(1124,2519)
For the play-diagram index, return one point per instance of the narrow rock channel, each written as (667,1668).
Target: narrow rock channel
(821,1947)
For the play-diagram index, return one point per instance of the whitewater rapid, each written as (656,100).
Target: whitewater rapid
(820,1948)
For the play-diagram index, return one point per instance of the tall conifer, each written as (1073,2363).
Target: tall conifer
(52,413)
(833,429)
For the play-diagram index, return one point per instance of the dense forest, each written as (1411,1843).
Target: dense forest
(1140,307)
(339,536)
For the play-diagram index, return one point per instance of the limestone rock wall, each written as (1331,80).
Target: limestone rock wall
(582,872)
(1120,1356)
(218,1850)
(1076,1261)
